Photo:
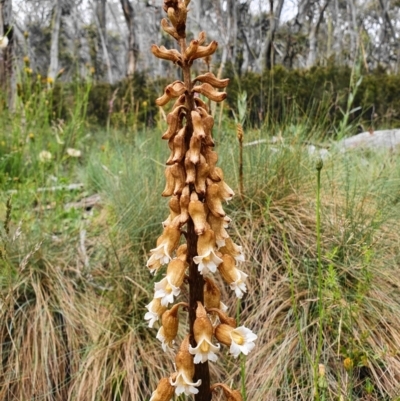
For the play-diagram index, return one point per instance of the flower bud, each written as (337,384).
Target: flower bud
(170,182)
(178,172)
(201,37)
(194,149)
(223,317)
(178,146)
(200,103)
(190,170)
(232,249)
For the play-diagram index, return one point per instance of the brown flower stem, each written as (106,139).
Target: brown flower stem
(196,281)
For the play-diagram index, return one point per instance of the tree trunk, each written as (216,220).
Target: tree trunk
(313,36)
(7,76)
(100,17)
(132,46)
(265,58)
(55,34)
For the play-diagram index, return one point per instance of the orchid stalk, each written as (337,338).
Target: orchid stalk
(195,244)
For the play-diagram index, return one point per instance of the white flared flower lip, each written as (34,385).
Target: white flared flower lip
(166,291)
(207,262)
(151,315)
(159,256)
(239,285)
(184,385)
(248,341)
(240,256)
(164,344)
(201,357)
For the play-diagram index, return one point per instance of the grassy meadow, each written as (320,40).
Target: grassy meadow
(80,208)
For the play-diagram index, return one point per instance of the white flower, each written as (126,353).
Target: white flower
(45,156)
(239,285)
(159,256)
(207,262)
(205,351)
(3,42)
(165,343)
(74,152)
(184,384)
(165,290)
(155,310)
(166,244)
(242,341)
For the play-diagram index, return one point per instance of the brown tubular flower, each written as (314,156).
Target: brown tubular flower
(197,189)
(164,392)
(231,395)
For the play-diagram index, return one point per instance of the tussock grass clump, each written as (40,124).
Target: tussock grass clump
(359,320)
(41,332)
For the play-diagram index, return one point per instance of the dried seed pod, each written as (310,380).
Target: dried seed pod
(213,199)
(169,29)
(174,121)
(211,79)
(167,54)
(208,91)
(205,51)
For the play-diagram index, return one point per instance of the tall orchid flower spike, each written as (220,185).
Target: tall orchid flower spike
(166,244)
(203,331)
(183,381)
(207,258)
(240,339)
(198,191)
(164,392)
